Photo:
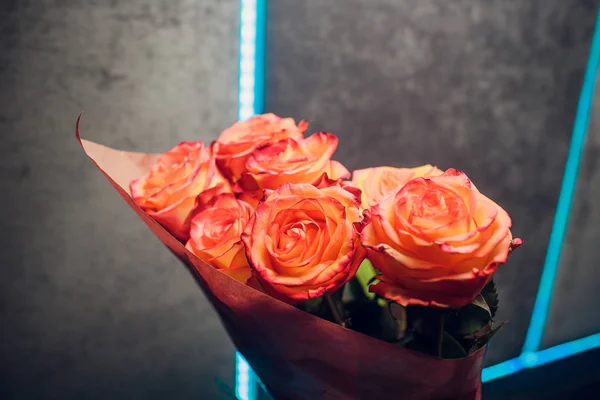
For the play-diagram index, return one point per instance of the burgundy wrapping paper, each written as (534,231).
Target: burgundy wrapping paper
(295,354)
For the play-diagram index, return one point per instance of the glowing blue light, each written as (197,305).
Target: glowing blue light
(542,357)
(528,359)
(250,102)
(251,62)
(539,314)
(567,349)
(245,387)
(500,370)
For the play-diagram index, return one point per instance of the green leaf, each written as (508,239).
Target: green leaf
(406,338)
(425,320)
(398,313)
(484,338)
(466,321)
(313,306)
(369,318)
(481,332)
(365,275)
(337,295)
(480,302)
(490,295)
(495,330)
(451,348)
(492,332)
(353,291)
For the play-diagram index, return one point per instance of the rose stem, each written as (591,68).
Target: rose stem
(334,310)
(441,335)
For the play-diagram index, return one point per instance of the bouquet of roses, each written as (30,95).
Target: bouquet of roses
(375,284)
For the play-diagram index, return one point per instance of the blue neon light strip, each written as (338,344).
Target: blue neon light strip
(251,89)
(245,384)
(542,357)
(561,218)
(261,59)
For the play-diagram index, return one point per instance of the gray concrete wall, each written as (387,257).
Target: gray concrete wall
(574,309)
(93,306)
(487,87)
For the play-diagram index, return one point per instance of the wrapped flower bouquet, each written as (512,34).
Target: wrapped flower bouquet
(375,284)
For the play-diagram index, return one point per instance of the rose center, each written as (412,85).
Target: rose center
(219,227)
(431,204)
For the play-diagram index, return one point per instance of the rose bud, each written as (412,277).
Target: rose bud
(215,235)
(437,241)
(168,191)
(294,161)
(302,240)
(379,181)
(241,139)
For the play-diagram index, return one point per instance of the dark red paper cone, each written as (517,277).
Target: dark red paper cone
(295,354)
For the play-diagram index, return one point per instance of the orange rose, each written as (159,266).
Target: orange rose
(377,182)
(215,235)
(240,140)
(436,241)
(295,161)
(302,240)
(168,191)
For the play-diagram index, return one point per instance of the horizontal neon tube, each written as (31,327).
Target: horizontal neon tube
(542,357)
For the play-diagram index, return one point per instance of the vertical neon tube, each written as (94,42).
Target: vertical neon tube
(251,82)
(245,385)
(251,89)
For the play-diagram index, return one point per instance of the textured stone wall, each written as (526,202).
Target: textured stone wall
(95,306)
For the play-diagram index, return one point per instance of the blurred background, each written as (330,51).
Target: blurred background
(92,304)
